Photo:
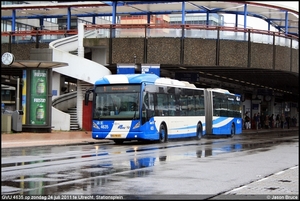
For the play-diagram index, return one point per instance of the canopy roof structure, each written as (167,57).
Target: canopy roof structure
(285,19)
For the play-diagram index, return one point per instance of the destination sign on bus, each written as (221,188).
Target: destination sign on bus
(118,88)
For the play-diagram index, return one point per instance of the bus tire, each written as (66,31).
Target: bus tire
(232,130)
(163,135)
(199,131)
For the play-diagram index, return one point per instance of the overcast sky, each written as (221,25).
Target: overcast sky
(256,23)
(288,4)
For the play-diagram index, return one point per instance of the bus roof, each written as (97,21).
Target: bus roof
(126,79)
(224,91)
(139,78)
(173,82)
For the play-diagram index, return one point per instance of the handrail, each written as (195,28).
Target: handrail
(57,43)
(39,32)
(156,31)
(188,26)
(146,26)
(64,97)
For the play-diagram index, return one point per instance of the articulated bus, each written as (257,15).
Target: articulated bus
(148,107)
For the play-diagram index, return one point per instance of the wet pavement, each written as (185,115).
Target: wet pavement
(284,184)
(22,139)
(42,139)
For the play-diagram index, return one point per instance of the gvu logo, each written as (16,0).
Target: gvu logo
(121,127)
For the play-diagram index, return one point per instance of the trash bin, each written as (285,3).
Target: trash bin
(17,120)
(5,123)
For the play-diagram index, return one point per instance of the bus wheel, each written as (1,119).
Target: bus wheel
(199,132)
(118,141)
(162,133)
(232,130)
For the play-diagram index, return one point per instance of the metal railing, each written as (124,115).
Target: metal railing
(155,31)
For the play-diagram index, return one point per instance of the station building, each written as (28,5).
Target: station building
(84,41)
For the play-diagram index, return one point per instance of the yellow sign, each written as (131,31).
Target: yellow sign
(115,135)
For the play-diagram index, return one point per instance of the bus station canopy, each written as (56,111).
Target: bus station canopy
(284,18)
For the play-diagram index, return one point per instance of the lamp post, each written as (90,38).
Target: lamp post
(18,94)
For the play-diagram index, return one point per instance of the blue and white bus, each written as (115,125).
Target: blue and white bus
(148,107)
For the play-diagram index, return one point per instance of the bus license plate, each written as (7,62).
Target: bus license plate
(115,135)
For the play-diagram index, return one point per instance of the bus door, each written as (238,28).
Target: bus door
(147,107)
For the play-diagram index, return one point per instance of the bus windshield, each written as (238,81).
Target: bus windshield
(117,102)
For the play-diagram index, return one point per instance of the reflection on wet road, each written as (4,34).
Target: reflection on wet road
(92,169)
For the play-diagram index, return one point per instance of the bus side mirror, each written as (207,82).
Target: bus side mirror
(87,96)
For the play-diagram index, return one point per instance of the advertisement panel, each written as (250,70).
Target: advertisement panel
(38,98)
(24,97)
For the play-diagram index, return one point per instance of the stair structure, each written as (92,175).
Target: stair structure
(73,118)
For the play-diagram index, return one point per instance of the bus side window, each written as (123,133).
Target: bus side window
(165,104)
(159,104)
(172,105)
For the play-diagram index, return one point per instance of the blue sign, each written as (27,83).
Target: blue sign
(126,69)
(54,92)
